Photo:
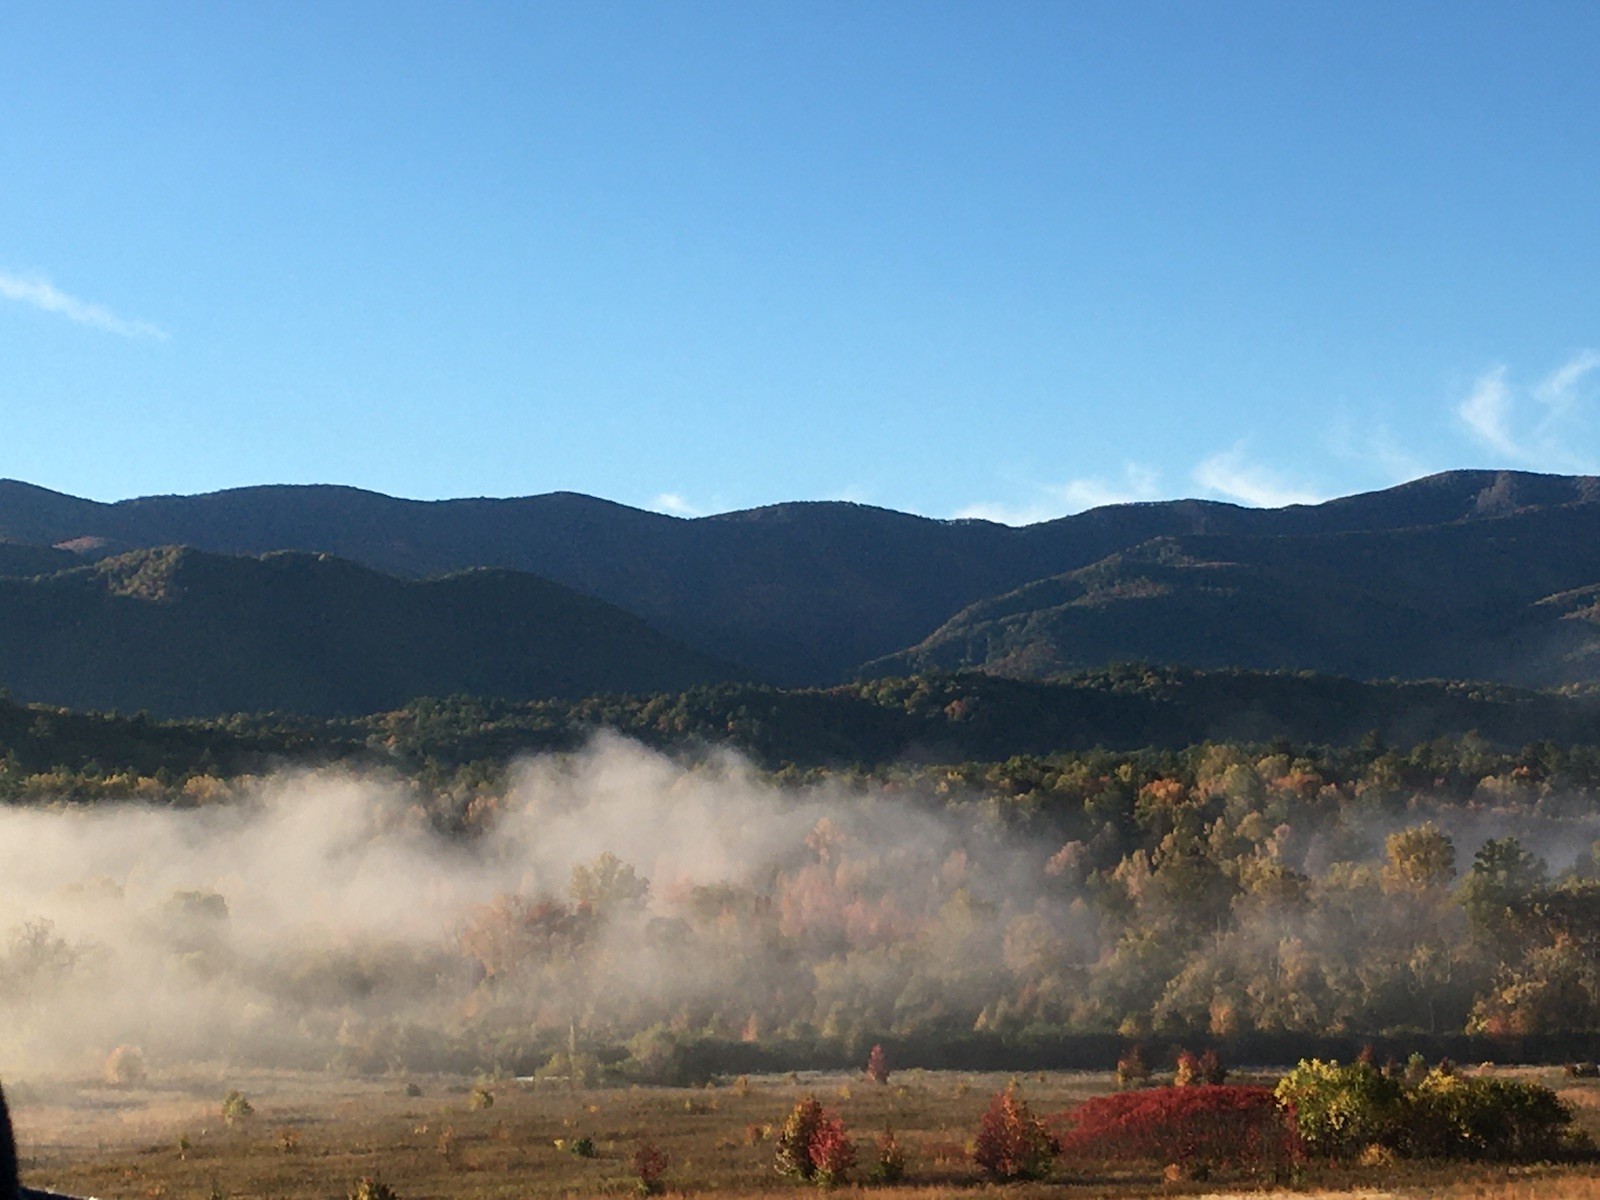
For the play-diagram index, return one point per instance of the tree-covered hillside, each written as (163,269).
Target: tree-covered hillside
(179,632)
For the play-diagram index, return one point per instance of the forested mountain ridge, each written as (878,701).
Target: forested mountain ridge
(180,632)
(1512,598)
(797,593)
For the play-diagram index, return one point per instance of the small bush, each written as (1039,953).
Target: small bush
(833,1154)
(288,1139)
(236,1110)
(1187,1071)
(125,1067)
(1011,1142)
(814,1146)
(1211,1069)
(1132,1070)
(650,1163)
(1196,1128)
(891,1164)
(481,1098)
(878,1065)
(371,1187)
(581,1147)
(794,1139)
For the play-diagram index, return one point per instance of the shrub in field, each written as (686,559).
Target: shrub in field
(833,1153)
(814,1146)
(125,1067)
(1012,1143)
(1339,1110)
(891,1164)
(1439,1114)
(650,1163)
(1186,1072)
(371,1187)
(1194,1128)
(1132,1070)
(1452,1116)
(235,1108)
(482,1098)
(1211,1069)
(795,1138)
(878,1065)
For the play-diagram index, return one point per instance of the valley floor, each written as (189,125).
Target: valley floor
(437,1138)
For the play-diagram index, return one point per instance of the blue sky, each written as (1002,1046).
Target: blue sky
(993,259)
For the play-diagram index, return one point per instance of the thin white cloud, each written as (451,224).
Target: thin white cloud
(45,296)
(1228,474)
(1138,482)
(1559,388)
(1539,426)
(1487,413)
(674,505)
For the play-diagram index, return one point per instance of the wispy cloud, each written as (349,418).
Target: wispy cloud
(674,505)
(1537,426)
(1230,475)
(1050,501)
(43,295)
(1487,413)
(1376,451)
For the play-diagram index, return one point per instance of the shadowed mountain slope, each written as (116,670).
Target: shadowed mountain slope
(800,593)
(1508,598)
(179,632)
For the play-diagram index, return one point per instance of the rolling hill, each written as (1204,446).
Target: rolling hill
(179,632)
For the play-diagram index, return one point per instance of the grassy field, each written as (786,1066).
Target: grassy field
(432,1138)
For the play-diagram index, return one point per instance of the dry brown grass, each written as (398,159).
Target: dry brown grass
(164,1140)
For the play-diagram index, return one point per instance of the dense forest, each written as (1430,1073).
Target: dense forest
(957,864)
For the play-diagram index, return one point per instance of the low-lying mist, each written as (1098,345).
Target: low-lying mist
(613,900)
(326,919)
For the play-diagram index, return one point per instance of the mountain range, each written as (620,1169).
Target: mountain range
(325,599)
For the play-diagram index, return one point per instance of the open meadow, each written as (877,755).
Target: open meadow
(456,1138)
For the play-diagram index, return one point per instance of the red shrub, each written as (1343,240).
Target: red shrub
(1213,1125)
(1011,1142)
(832,1152)
(649,1165)
(878,1065)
